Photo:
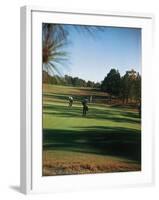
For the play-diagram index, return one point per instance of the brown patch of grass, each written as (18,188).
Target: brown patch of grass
(78,163)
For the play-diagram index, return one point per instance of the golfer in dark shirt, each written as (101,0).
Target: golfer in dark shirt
(85,106)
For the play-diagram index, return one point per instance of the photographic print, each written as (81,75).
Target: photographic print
(91,99)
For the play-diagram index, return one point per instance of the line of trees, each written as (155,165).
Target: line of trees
(126,87)
(69,81)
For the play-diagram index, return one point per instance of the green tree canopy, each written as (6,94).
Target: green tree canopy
(131,86)
(111,83)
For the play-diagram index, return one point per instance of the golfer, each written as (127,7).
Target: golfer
(70,101)
(85,106)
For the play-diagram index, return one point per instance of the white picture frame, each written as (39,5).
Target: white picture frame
(31,101)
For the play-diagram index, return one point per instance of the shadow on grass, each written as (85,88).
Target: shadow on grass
(113,141)
(93,113)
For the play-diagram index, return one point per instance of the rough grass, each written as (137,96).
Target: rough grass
(107,140)
(61,163)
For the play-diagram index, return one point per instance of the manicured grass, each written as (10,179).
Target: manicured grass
(108,139)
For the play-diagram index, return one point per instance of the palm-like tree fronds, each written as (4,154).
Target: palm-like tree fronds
(55,37)
(54,40)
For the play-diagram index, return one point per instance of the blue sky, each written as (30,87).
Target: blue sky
(92,57)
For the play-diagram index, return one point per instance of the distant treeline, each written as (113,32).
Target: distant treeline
(69,81)
(126,88)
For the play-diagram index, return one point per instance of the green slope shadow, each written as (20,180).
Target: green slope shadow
(100,140)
